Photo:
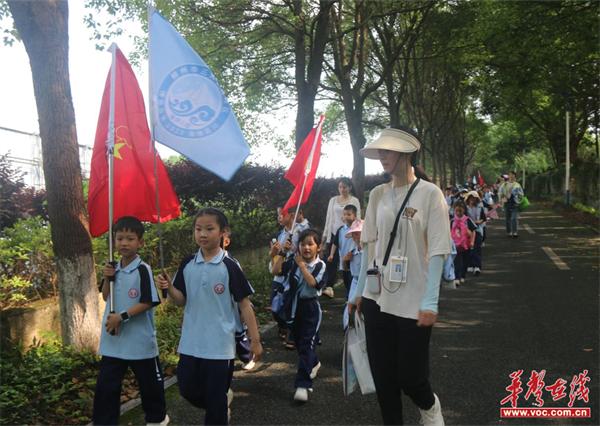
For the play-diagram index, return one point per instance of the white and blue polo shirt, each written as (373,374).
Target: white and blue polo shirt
(137,337)
(305,291)
(345,245)
(209,317)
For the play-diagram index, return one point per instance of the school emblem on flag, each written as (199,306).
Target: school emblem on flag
(190,102)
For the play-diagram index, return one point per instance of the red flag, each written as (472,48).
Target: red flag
(304,167)
(480,180)
(134,181)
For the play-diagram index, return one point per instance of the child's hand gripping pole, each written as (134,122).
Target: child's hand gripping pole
(165,291)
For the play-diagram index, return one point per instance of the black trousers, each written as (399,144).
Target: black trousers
(107,399)
(347,276)
(332,267)
(399,359)
(204,383)
(305,334)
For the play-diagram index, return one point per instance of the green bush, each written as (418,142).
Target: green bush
(168,319)
(49,384)
(27,270)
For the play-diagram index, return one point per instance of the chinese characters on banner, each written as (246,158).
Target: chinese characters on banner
(536,387)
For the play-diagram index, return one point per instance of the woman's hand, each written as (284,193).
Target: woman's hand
(355,305)
(426,318)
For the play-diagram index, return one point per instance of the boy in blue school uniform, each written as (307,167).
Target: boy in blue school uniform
(344,245)
(284,246)
(128,338)
(306,275)
(211,287)
(355,260)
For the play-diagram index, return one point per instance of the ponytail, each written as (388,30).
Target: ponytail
(419,170)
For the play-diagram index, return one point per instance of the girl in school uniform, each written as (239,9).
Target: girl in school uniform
(306,275)
(211,286)
(476,213)
(405,238)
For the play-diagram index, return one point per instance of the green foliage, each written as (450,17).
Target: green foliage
(17,201)
(48,384)
(168,319)
(587,209)
(27,270)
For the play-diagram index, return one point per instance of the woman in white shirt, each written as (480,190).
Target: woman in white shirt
(333,221)
(400,296)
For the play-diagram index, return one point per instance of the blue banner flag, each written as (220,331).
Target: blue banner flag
(189,112)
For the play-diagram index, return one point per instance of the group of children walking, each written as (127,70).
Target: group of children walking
(467,226)
(218,314)
(299,278)
(218,317)
(214,292)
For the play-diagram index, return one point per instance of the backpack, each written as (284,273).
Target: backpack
(460,233)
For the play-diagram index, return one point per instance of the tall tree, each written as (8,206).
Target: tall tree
(43,27)
(543,60)
(262,51)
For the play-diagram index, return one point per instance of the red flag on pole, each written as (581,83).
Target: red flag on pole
(480,180)
(134,180)
(303,169)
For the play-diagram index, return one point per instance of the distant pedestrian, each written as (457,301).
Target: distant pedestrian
(476,213)
(405,237)
(511,194)
(354,263)
(462,229)
(209,284)
(128,338)
(341,246)
(333,221)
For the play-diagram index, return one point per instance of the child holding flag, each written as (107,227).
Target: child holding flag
(210,286)
(129,337)
(306,275)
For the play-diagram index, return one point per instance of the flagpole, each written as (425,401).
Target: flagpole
(307,169)
(111,159)
(157,192)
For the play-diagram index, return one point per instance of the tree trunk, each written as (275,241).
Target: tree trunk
(43,27)
(308,74)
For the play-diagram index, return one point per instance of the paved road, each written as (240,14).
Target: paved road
(522,313)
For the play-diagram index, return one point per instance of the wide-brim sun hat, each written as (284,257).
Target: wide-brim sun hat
(391,140)
(473,194)
(355,227)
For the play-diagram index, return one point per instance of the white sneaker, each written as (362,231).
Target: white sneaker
(476,271)
(455,284)
(462,281)
(301,395)
(328,291)
(249,365)
(433,416)
(315,370)
(470,269)
(165,422)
